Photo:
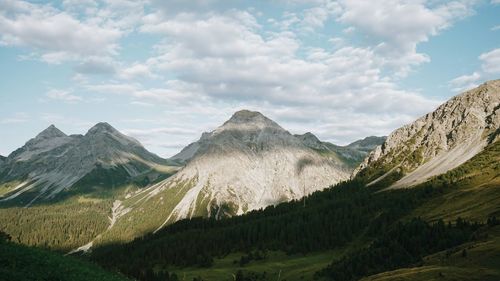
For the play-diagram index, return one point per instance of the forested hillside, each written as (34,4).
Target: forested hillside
(350,217)
(22,263)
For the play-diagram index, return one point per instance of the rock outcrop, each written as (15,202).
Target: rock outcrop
(439,141)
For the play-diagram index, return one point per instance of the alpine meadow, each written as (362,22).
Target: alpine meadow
(281,140)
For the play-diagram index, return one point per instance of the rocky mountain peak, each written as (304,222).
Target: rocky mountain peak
(102,127)
(310,140)
(246,120)
(50,132)
(440,140)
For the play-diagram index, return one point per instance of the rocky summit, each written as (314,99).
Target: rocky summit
(53,162)
(439,141)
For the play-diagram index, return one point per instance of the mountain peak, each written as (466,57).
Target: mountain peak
(102,127)
(245,116)
(246,119)
(50,132)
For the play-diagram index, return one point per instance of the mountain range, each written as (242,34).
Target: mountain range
(250,186)
(247,163)
(54,164)
(423,205)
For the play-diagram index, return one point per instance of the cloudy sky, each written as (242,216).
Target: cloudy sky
(165,71)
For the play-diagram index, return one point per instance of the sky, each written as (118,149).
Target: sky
(166,71)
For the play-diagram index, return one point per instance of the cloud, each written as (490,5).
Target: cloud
(495,28)
(465,82)
(395,32)
(63,95)
(84,29)
(244,65)
(19,117)
(96,65)
(136,70)
(491,61)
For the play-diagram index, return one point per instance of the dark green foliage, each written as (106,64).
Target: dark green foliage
(21,263)
(59,226)
(330,220)
(250,276)
(403,245)
(252,256)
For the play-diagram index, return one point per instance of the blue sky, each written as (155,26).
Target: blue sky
(165,71)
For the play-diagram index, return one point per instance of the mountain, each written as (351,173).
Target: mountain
(437,142)
(248,163)
(367,144)
(2,159)
(446,227)
(352,154)
(54,163)
(346,232)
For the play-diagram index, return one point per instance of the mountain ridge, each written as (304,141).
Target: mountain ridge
(438,141)
(52,161)
(247,163)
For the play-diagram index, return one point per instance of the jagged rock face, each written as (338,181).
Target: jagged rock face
(439,141)
(52,161)
(247,163)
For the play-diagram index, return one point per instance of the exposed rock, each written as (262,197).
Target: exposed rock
(248,163)
(52,162)
(439,141)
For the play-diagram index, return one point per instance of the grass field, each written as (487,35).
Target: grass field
(278,266)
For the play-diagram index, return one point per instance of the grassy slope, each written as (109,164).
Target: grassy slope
(474,192)
(475,195)
(23,263)
(482,262)
(291,268)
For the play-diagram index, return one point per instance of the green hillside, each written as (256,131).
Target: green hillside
(22,263)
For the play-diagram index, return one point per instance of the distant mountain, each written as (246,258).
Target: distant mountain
(248,163)
(54,163)
(437,142)
(352,154)
(2,159)
(367,144)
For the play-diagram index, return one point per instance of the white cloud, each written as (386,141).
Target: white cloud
(85,28)
(491,61)
(63,95)
(97,65)
(397,26)
(495,28)
(465,82)
(136,70)
(18,117)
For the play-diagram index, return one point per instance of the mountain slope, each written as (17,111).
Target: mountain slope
(352,154)
(53,163)
(346,218)
(248,163)
(437,142)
